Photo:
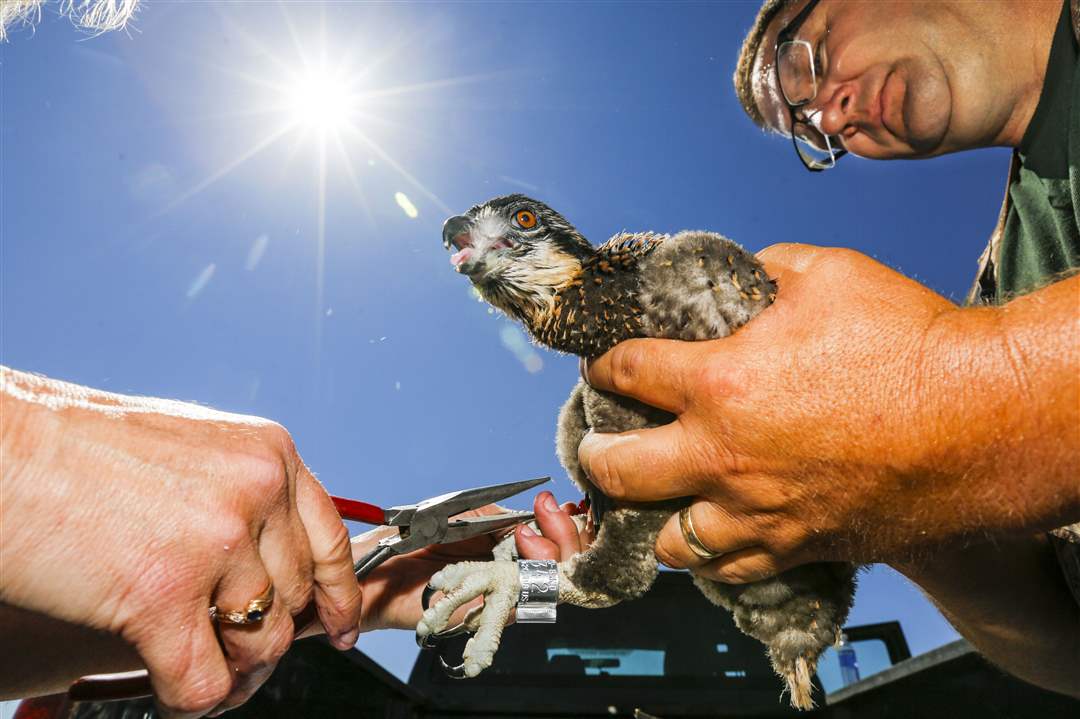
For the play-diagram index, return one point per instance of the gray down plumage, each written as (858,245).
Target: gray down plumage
(689,286)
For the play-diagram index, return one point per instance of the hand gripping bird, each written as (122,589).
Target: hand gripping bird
(529,262)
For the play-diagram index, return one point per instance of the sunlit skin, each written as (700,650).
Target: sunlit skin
(180,507)
(864,418)
(892,73)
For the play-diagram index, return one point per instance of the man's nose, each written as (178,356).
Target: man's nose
(837,111)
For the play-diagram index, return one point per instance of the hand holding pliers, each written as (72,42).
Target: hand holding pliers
(429,521)
(425,523)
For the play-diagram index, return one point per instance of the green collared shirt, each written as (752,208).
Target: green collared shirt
(1041,238)
(1037,240)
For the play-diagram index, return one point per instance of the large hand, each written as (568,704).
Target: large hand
(392,591)
(134,516)
(858,418)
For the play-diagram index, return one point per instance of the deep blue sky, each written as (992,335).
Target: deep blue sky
(123,268)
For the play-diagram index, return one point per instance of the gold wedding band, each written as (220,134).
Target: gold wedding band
(696,545)
(253,613)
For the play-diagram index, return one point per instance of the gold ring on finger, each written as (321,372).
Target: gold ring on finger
(252,613)
(686,524)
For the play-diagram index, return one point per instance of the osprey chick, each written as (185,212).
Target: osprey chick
(527,260)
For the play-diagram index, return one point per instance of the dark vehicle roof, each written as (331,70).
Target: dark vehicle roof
(668,664)
(670,653)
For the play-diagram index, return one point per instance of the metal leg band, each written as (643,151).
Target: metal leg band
(539,591)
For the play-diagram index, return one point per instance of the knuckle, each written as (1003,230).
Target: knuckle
(277,436)
(626,360)
(267,477)
(835,262)
(280,444)
(788,253)
(779,249)
(605,472)
(340,545)
(230,531)
(669,555)
(336,550)
(731,573)
(347,605)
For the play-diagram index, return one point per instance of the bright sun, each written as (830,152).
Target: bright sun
(320,100)
(324,106)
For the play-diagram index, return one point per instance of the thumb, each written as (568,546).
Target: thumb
(658,372)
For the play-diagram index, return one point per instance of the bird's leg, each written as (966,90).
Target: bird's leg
(621,563)
(460,583)
(498,582)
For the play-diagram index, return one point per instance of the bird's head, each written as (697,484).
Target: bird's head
(517,251)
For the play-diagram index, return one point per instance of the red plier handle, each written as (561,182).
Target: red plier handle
(357,511)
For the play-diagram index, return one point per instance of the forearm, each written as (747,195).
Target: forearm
(1002,386)
(1002,437)
(1010,601)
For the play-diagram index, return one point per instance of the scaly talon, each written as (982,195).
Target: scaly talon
(497,582)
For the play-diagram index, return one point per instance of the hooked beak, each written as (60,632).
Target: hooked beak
(455,234)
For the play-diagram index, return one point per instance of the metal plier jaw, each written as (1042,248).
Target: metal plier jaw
(428,522)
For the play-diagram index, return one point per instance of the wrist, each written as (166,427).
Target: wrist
(27,423)
(25,432)
(995,430)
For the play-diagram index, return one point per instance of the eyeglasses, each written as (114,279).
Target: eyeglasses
(797,75)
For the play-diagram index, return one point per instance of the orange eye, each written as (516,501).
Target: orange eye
(525,219)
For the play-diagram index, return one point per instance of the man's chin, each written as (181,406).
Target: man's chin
(926,145)
(926,112)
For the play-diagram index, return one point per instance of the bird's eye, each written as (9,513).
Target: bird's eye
(525,219)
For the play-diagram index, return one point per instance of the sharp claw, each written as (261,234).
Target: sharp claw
(454,672)
(425,598)
(451,632)
(432,640)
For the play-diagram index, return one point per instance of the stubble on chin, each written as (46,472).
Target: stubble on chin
(927,107)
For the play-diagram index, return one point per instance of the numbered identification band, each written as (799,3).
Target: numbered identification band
(539,591)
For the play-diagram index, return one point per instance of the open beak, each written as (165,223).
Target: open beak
(455,235)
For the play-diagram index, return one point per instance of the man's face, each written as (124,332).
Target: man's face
(889,76)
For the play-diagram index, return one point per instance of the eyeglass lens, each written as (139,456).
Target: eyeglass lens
(807,132)
(795,68)
(798,83)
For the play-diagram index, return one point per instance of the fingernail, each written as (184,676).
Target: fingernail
(526,531)
(583,368)
(549,502)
